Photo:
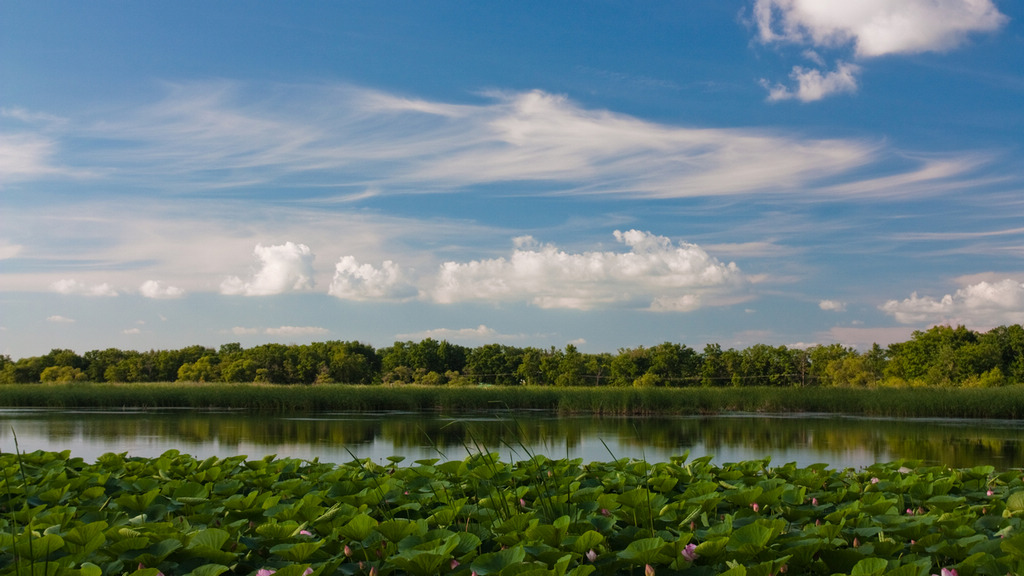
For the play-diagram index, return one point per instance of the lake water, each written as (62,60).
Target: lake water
(336,437)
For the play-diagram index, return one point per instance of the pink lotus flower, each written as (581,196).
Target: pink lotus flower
(989,493)
(648,570)
(690,552)
(814,501)
(305,533)
(454,564)
(874,480)
(910,512)
(591,555)
(946,572)
(265,571)
(522,502)
(307,571)
(605,512)
(373,571)
(348,551)
(755,506)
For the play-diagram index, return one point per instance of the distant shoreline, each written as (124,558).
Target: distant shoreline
(994,403)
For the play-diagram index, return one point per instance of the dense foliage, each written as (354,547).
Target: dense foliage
(177,515)
(940,356)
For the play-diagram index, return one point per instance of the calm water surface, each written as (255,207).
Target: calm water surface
(337,437)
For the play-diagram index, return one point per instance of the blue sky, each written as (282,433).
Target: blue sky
(607,174)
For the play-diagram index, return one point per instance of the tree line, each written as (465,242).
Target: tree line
(939,356)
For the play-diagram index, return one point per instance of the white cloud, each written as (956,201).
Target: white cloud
(71,286)
(654,274)
(876,27)
(156,289)
(283,268)
(981,305)
(355,281)
(132,331)
(813,85)
(297,331)
(281,331)
(25,156)
(479,334)
(832,305)
(60,320)
(872,27)
(8,250)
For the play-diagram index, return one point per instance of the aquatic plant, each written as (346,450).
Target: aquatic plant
(177,515)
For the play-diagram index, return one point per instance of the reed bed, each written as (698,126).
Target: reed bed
(1005,402)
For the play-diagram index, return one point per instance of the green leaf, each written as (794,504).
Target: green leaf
(210,570)
(214,538)
(646,551)
(869,567)
(495,562)
(358,528)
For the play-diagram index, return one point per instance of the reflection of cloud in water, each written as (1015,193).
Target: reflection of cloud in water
(806,439)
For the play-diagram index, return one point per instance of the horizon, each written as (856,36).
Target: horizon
(608,175)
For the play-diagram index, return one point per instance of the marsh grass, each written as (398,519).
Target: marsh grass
(1007,402)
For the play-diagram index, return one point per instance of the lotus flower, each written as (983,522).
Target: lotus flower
(373,571)
(755,506)
(454,564)
(307,571)
(814,501)
(946,572)
(348,551)
(989,493)
(591,555)
(305,533)
(265,571)
(690,552)
(874,480)
(605,512)
(648,570)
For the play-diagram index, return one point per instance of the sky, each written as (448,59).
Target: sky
(604,174)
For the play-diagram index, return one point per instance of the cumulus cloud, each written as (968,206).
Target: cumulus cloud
(283,268)
(876,27)
(832,305)
(281,331)
(297,331)
(479,334)
(355,281)
(871,27)
(984,304)
(814,85)
(654,274)
(157,290)
(60,320)
(71,286)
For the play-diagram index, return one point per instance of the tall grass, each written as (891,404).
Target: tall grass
(1005,402)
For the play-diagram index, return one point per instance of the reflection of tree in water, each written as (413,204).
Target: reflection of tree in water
(962,445)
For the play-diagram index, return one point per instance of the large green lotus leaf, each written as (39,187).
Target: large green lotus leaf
(646,551)
(297,552)
(358,528)
(1015,502)
(753,538)
(397,529)
(869,567)
(495,562)
(83,540)
(527,569)
(209,538)
(586,541)
(156,553)
(37,548)
(420,562)
(209,570)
